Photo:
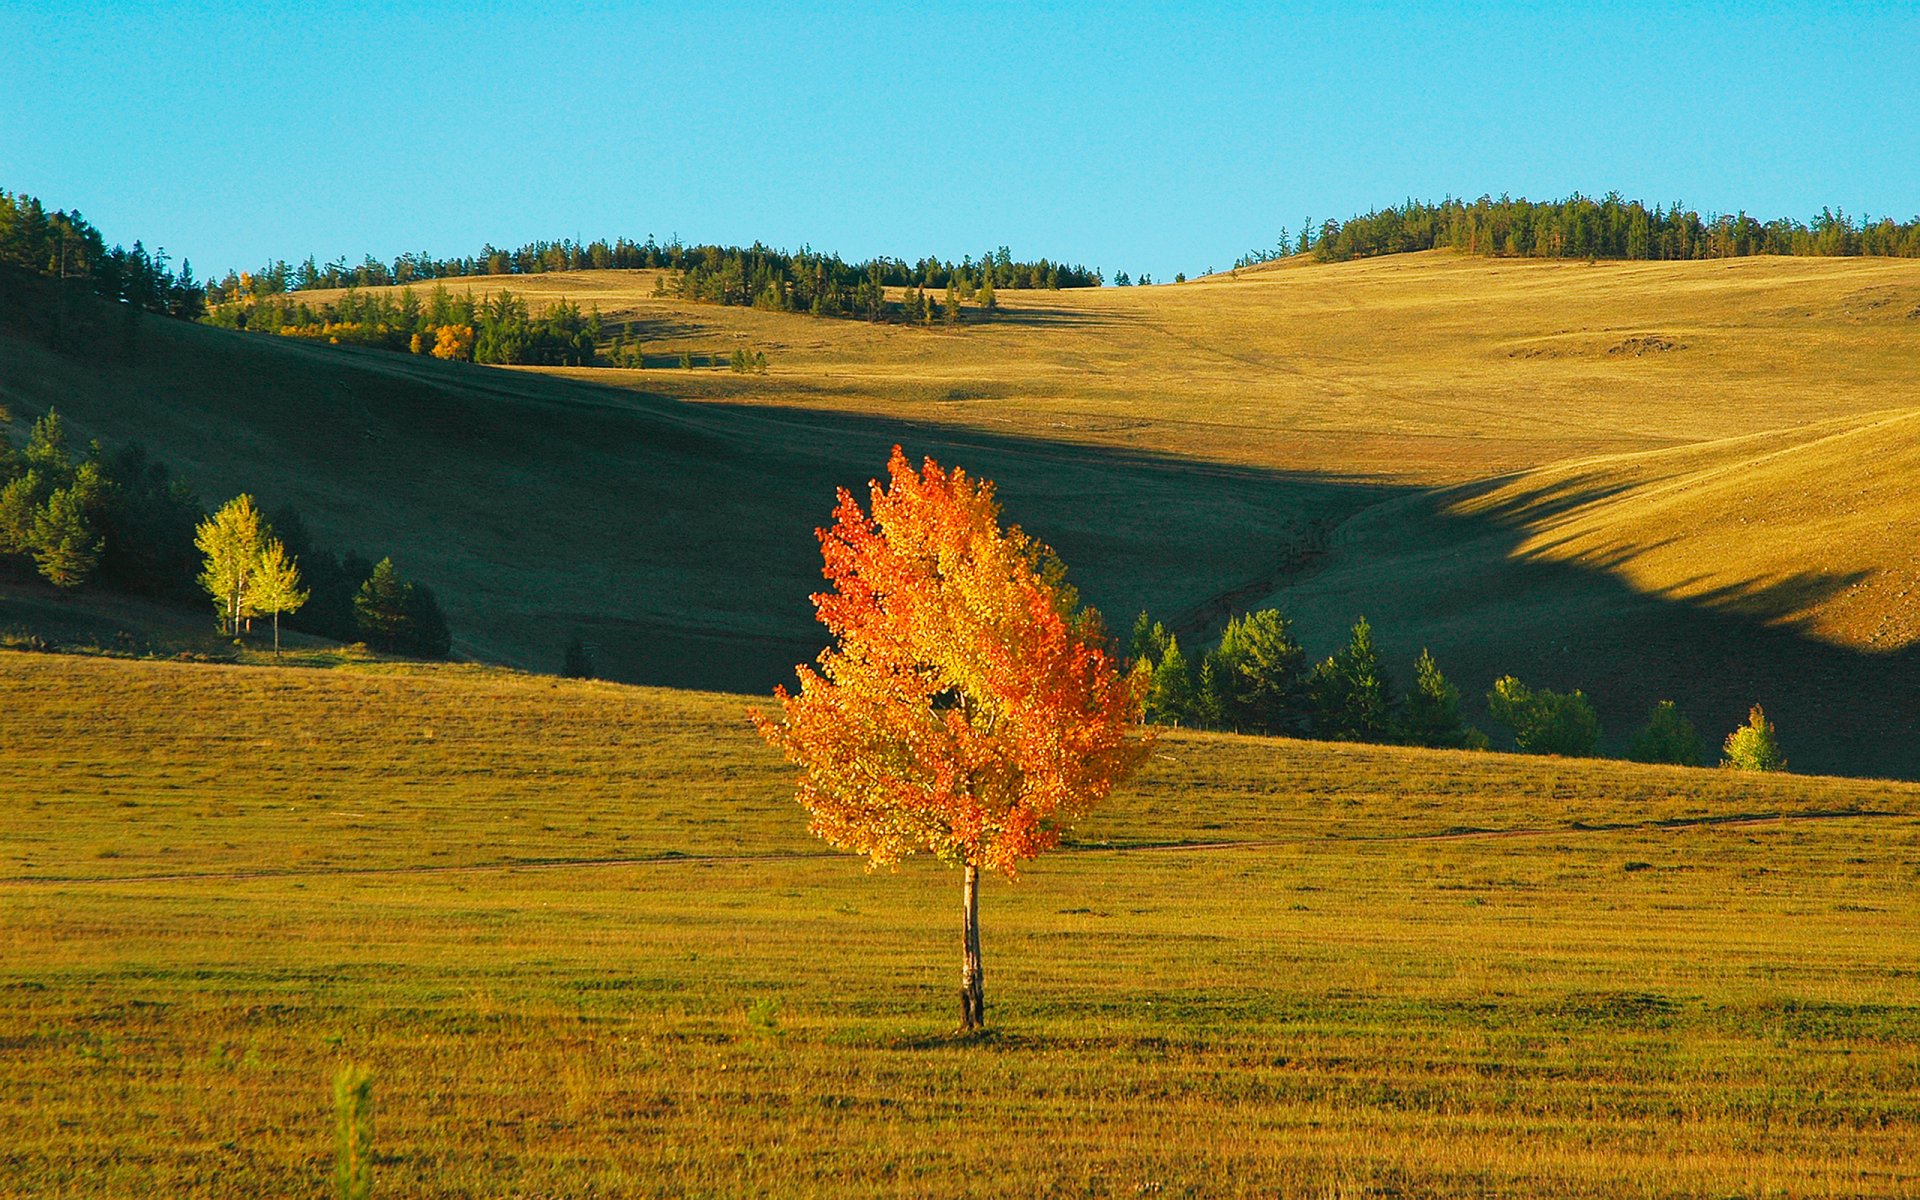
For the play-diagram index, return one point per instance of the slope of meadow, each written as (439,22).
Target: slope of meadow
(543,911)
(1643,479)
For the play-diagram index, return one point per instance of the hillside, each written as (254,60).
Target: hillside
(1530,466)
(581,936)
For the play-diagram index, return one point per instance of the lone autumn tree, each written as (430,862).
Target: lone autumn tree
(968,707)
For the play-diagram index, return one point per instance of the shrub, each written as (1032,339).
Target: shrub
(1667,737)
(1545,722)
(1754,746)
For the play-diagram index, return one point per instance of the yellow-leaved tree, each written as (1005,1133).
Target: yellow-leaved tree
(969,706)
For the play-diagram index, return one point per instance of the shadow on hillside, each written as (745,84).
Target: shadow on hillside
(1015,313)
(679,539)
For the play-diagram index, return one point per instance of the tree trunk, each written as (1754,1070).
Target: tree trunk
(276,633)
(973,996)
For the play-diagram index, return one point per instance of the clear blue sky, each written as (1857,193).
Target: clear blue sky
(1133,138)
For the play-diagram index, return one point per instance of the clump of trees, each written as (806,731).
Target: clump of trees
(249,572)
(495,328)
(1610,227)
(84,516)
(1257,679)
(124,523)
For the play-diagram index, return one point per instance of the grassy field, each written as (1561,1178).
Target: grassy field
(1646,480)
(580,935)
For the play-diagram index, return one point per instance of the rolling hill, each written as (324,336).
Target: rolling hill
(1530,466)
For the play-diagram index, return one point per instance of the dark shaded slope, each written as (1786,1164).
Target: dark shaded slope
(676,537)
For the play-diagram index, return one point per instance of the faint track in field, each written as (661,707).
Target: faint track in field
(1730,820)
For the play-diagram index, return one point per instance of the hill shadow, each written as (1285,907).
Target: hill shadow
(679,537)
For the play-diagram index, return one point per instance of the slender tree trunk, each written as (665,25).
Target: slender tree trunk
(276,633)
(973,996)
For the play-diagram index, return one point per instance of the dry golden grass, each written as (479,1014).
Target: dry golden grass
(1646,480)
(1425,368)
(543,912)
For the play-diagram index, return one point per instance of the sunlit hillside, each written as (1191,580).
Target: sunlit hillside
(1647,480)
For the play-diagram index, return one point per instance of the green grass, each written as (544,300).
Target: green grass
(581,937)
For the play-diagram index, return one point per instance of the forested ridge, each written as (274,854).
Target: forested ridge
(1610,227)
(720,274)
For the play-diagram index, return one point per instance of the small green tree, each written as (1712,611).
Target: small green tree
(1353,698)
(1754,746)
(274,586)
(380,607)
(1260,674)
(1149,640)
(1432,714)
(231,541)
(399,616)
(20,503)
(1170,693)
(65,547)
(1545,722)
(352,1133)
(577,662)
(1667,737)
(47,446)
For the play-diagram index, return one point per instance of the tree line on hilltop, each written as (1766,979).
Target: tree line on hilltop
(1257,679)
(739,266)
(1610,227)
(124,523)
(66,246)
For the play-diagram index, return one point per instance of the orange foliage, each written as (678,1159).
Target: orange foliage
(969,707)
(453,341)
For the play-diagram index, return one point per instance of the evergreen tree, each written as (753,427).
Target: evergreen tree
(951,308)
(1260,676)
(64,545)
(1755,746)
(1353,698)
(400,617)
(577,663)
(47,447)
(427,635)
(274,586)
(1432,715)
(20,503)
(1149,640)
(1667,737)
(381,607)
(1170,694)
(231,541)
